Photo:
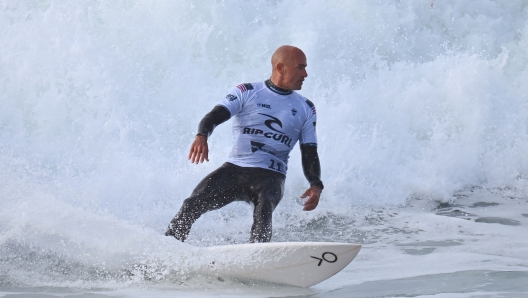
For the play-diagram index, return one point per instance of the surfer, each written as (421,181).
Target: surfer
(269,118)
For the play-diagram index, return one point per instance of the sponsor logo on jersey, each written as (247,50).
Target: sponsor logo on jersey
(256,146)
(269,122)
(279,137)
(263,105)
(275,134)
(294,111)
(230,97)
(245,87)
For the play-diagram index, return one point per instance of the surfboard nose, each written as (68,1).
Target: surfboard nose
(300,264)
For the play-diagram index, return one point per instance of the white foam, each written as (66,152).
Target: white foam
(99,103)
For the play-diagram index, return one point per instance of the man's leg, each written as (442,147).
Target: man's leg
(269,189)
(215,191)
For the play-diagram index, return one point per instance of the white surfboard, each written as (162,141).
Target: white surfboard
(301,264)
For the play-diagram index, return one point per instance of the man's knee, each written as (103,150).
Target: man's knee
(264,207)
(190,207)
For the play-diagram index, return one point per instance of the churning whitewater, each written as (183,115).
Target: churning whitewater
(422,110)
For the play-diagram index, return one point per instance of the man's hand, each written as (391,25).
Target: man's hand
(313,193)
(199,150)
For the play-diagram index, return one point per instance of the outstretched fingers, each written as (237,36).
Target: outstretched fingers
(199,150)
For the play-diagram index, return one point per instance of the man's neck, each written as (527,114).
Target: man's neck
(276,88)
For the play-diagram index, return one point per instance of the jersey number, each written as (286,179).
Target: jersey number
(275,166)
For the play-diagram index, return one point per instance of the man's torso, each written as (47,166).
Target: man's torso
(267,124)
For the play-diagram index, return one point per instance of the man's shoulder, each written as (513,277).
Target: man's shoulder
(254,86)
(303,99)
(308,102)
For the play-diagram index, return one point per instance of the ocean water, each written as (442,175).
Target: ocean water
(422,122)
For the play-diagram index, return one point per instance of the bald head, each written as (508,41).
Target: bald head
(288,67)
(285,53)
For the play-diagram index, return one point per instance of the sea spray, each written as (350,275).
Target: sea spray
(99,102)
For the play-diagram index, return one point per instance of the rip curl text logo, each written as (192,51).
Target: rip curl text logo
(273,124)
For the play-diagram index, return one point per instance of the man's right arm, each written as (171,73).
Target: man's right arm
(199,149)
(217,116)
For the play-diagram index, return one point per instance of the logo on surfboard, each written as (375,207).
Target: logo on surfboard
(332,258)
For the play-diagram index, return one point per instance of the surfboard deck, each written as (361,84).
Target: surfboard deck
(300,264)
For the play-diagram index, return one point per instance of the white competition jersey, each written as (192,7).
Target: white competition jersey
(267,123)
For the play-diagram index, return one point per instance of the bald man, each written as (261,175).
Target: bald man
(269,118)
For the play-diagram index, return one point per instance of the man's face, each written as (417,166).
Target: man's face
(294,71)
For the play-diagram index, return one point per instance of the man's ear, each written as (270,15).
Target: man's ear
(280,68)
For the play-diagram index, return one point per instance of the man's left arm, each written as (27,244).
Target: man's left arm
(312,172)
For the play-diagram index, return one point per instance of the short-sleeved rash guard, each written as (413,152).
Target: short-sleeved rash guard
(267,123)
